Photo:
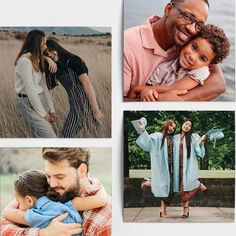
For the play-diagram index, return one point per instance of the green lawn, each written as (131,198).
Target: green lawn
(202,173)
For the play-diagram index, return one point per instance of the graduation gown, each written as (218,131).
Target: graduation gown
(190,166)
(159,162)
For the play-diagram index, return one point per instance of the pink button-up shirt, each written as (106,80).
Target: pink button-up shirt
(142,54)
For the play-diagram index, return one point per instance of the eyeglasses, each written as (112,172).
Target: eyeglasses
(189,19)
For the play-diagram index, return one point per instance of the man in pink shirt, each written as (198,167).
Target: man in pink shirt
(158,39)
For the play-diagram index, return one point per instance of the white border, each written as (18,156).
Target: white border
(105,13)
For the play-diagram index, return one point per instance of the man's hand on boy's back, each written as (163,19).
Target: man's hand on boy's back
(60,229)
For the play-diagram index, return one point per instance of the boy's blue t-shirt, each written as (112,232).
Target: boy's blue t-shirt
(45,210)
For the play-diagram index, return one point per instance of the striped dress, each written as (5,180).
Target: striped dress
(185,195)
(80,110)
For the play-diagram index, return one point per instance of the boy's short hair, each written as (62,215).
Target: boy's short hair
(218,40)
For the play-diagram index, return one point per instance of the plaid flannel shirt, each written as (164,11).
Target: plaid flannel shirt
(7,228)
(97,222)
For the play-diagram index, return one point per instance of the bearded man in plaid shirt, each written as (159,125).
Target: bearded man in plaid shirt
(67,173)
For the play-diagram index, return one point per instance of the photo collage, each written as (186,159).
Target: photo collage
(117,114)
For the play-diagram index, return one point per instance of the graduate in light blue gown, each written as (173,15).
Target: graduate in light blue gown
(160,147)
(187,147)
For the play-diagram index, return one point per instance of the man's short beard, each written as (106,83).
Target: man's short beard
(70,193)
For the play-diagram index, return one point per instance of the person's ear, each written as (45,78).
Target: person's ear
(30,201)
(82,170)
(167,9)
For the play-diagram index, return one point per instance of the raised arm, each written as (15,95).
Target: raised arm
(12,213)
(91,202)
(213,86)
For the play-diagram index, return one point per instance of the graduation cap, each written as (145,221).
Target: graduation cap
(215,134)
(136,123)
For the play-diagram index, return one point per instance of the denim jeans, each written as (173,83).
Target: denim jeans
(38,126)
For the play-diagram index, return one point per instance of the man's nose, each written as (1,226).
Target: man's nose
(191,28)
(53,183)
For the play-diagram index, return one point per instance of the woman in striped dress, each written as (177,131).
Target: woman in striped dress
(72,73)
(187,146)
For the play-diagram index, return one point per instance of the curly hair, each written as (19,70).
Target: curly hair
(218,40)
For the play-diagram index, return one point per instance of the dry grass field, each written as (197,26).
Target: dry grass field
(94,50)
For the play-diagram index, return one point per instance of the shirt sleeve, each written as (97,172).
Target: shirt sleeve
(144,141)
(10,229)
(199,149)
(77,65)
(200,74)
(127,70)
(25,70)
(47,94)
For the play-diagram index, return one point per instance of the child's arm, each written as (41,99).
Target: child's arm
(186,83)
(12,213)
(91,202)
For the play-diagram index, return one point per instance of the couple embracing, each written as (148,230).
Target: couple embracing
(37,57)
(174,165)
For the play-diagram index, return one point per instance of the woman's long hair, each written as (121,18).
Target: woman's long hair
(32,44)
(164,130)
(63,54)
(188,136)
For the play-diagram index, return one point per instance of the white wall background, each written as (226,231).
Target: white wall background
(105,13)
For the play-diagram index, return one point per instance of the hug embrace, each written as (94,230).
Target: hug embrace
(39,57)
(61,200)
(175,57)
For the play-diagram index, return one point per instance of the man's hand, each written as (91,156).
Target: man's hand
(148,95)
(173,95)
(60,229)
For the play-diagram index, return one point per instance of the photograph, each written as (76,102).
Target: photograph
(56,191)
(179,166)
(55,82)
(178,50)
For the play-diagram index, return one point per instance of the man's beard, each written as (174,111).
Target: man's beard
(70,193)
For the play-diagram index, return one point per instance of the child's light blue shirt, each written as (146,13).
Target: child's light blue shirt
(45,210)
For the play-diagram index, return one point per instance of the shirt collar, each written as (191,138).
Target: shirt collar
(41,201)
(148,40)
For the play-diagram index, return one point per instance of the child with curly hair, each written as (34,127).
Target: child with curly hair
(209,46)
